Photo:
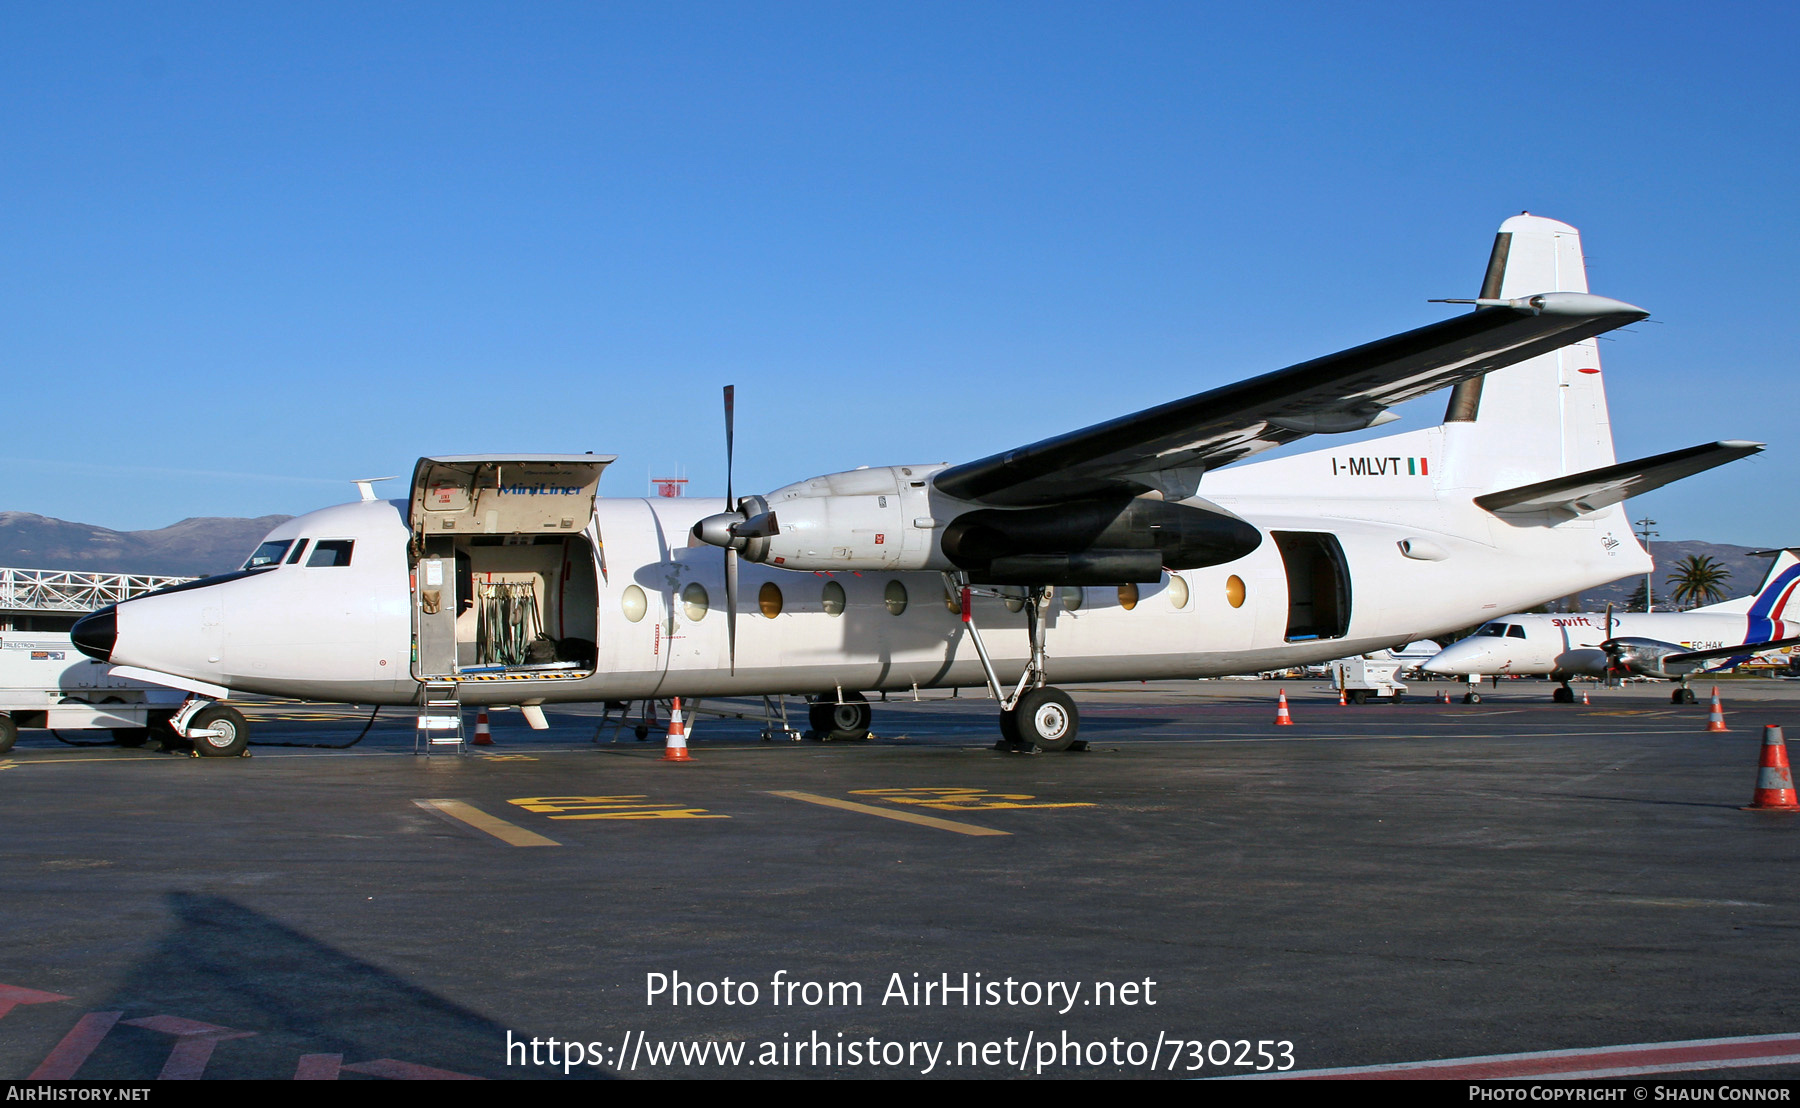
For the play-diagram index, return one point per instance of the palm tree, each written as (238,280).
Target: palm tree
(1698,580)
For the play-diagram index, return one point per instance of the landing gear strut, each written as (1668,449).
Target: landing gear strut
(1034,714)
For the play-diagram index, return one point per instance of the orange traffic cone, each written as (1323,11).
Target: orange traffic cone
(1343,701)
(1774,780)
(1715,719)
(1585,703)
(1445,699)
(1282,719)
(675,746)
(483,737)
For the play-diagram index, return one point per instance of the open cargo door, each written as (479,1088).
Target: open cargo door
(503,566)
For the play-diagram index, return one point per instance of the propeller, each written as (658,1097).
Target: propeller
(1612,655)
(731,552)
(735,530)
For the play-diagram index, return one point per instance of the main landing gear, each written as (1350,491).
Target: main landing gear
(1681,694)
(845,718)
(1034,715)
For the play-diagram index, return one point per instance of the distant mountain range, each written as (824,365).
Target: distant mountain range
(191,548)
(1747,574)
(197,547)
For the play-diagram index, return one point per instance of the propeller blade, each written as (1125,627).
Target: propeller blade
(731,556)
(761,526)
(731,588)
(730,418)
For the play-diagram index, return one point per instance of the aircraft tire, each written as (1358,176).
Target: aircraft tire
(846,722)
(1683,696)
(9,733)
(228,720)
(1562,694)
(1047,719)
(1009,729)
(1472,698)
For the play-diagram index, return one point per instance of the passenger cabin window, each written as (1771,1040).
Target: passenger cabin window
(269,554)
(331,552)
(1493,630)
(1514,631)
(299,549)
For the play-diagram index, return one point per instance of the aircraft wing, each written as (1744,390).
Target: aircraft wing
(1600,488)
(1168,447)
(1728,651)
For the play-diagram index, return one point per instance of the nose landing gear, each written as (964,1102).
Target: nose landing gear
(216,730)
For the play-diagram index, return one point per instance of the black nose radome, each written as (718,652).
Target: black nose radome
(95,633)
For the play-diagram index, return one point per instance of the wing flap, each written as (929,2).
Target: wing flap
(1594,489)
(1343,391)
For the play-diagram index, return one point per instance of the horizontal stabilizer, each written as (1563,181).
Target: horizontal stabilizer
(1580,493)
(1728,651)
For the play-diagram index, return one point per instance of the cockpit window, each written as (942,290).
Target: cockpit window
(331,552)
(1494,630)
(299,549)
(1514,631)
(269,554)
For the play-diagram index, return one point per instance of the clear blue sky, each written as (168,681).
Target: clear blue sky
(253,251)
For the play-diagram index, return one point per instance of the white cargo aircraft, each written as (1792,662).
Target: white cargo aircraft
(1120,551)
(1672,646)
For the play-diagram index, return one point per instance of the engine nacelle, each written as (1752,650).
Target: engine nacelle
(876,518)
(1644,657)
(1095,542)
(891,518)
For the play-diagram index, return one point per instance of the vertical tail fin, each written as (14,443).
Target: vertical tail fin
(1770,600)
(1545,417)
(1769,610)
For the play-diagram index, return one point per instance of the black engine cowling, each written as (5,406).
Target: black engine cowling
(1094,542)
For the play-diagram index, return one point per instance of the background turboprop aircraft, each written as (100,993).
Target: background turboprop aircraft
(1091,556)
(1669,645)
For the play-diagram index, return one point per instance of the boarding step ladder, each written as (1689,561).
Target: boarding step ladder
(440,719)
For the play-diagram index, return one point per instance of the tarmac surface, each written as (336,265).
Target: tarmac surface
(1200,893)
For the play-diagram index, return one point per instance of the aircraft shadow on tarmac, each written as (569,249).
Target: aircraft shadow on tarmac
(226,965)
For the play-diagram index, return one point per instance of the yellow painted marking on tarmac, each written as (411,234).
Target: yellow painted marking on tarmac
(510,833)
(140,756)
(649,813)
(509,757)
(1634,712)
(889,813)
(8,764)
(609,807)
(962,799)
